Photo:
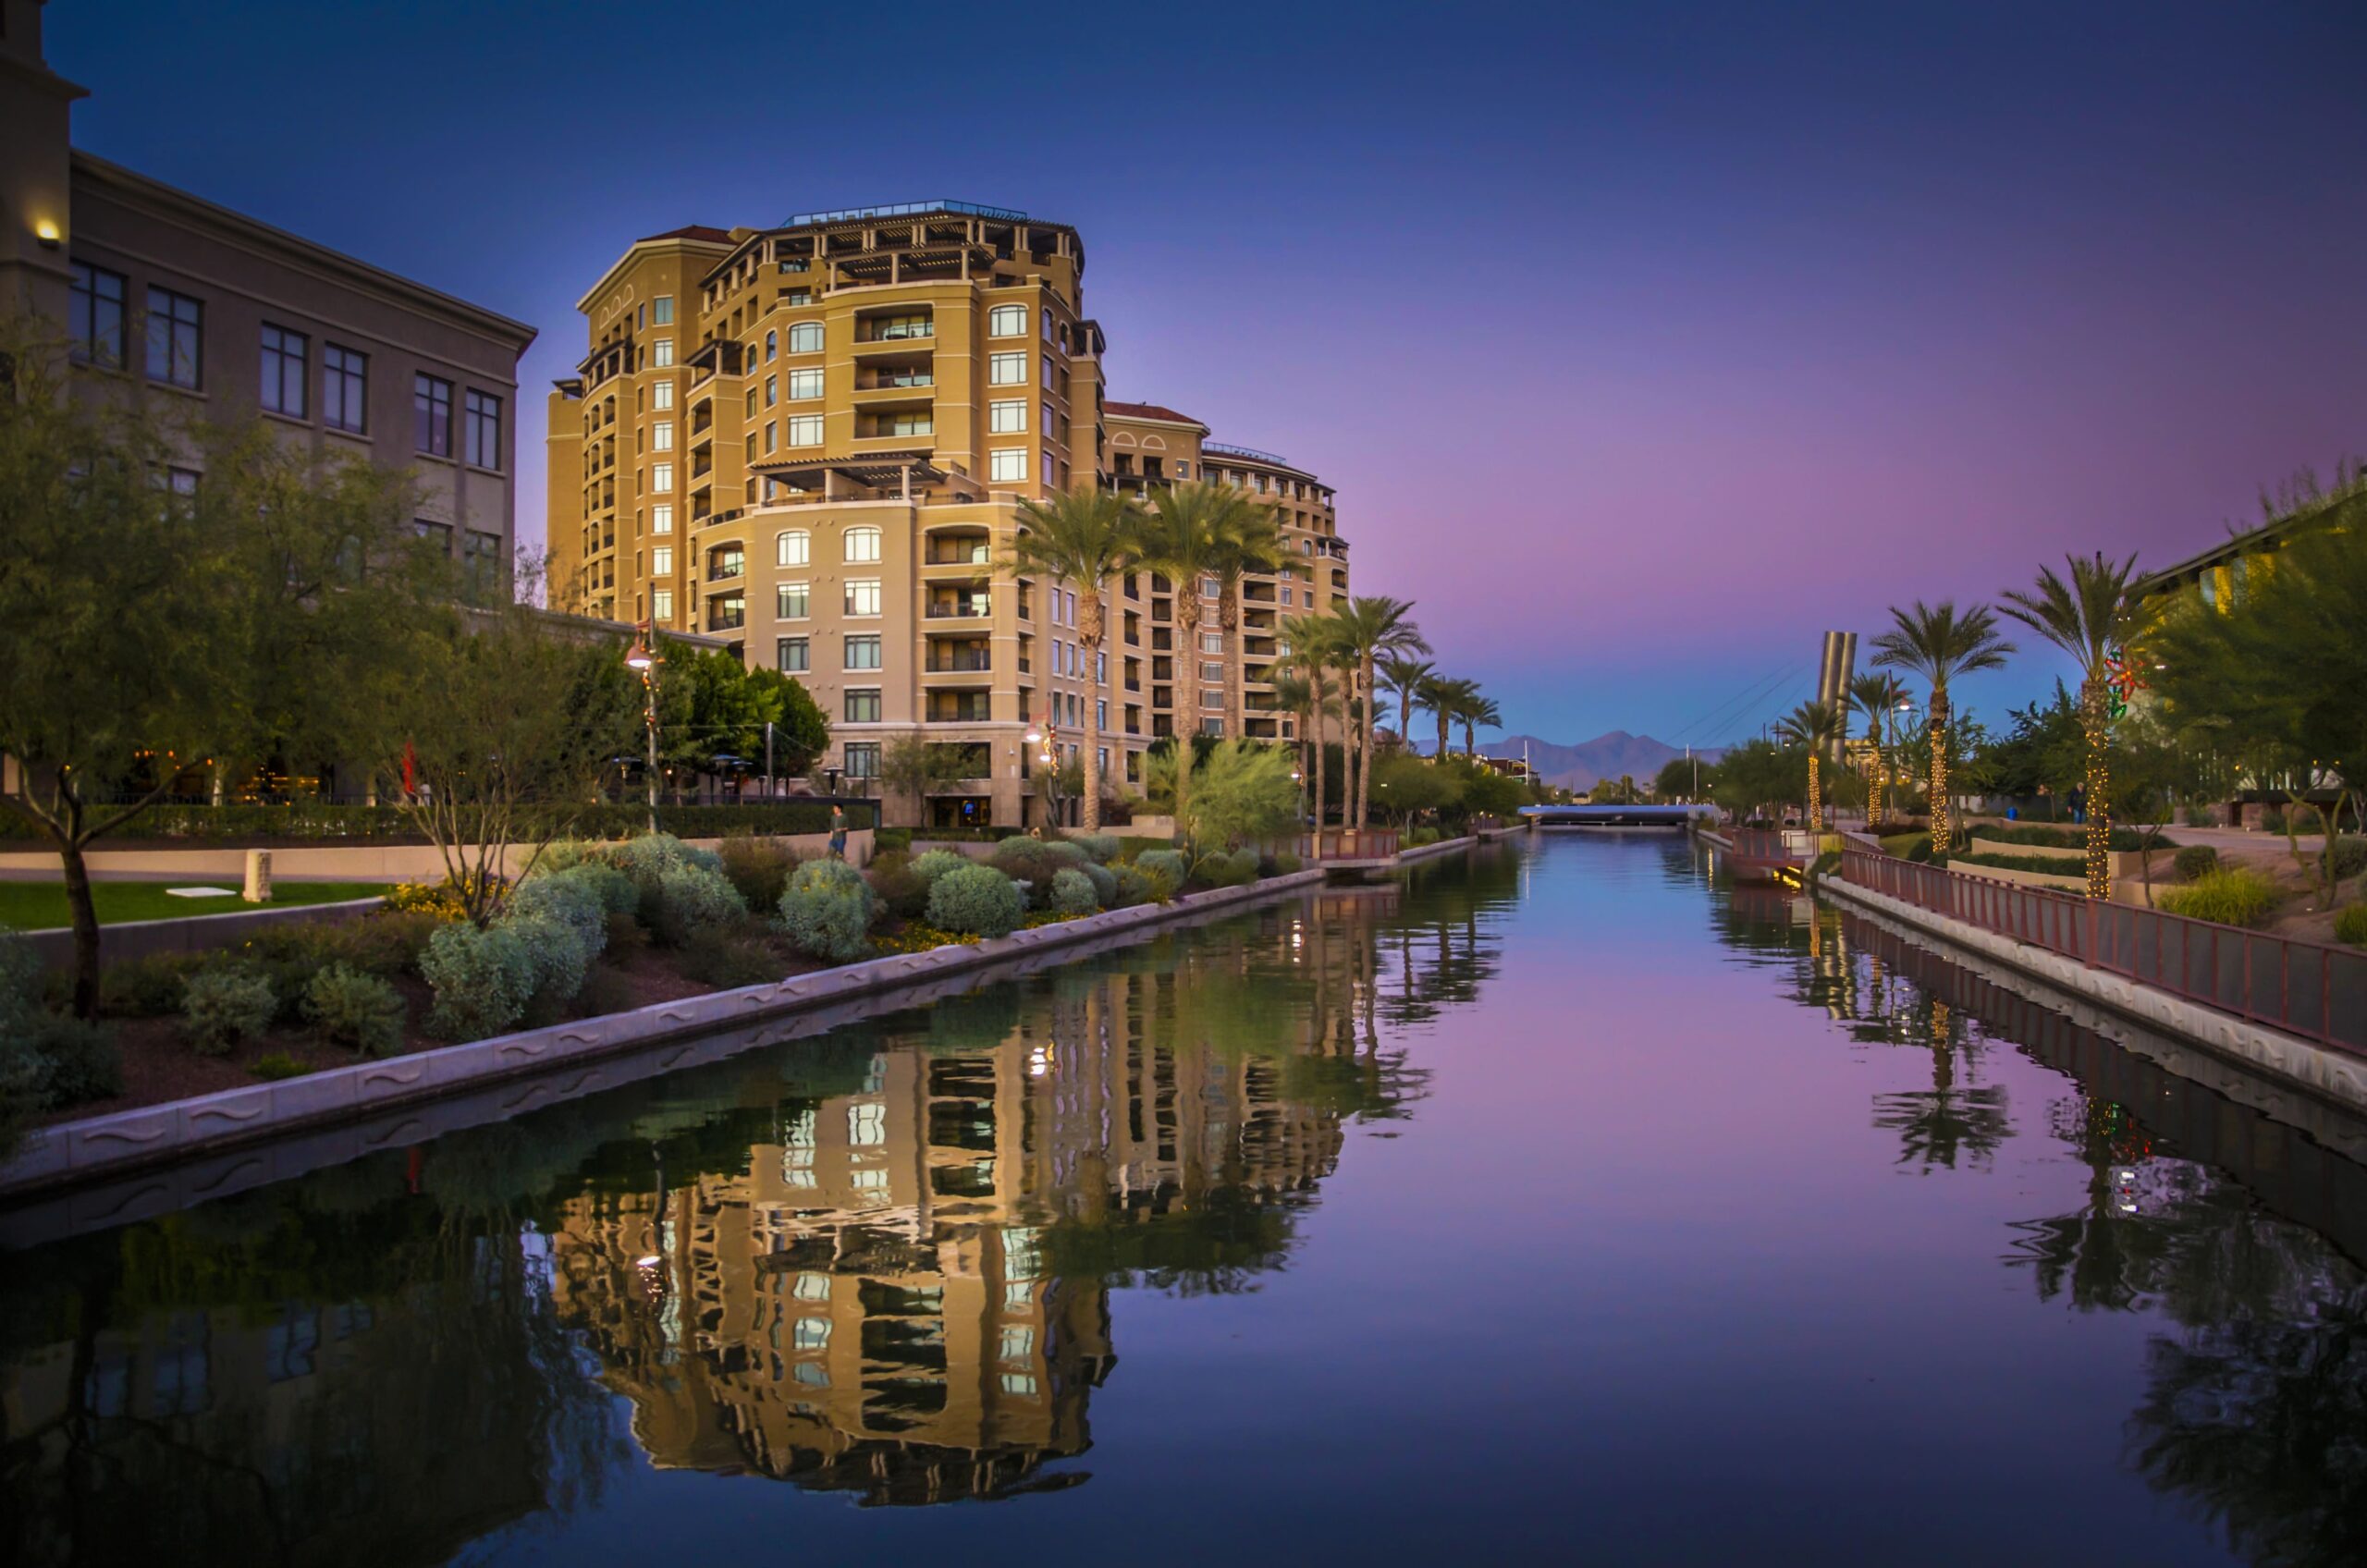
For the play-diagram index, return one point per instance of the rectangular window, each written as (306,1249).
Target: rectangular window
(805,337)
(1045,365)
(1007,465)
(792,601)
(176,332)
(863,597)
(661,396)
(1051,425)
(661,353)
(1212,671)
(481,556)
(661,561)
(661,517)
(1007,370)
(862,759)
(661,311)
(661,436)
(790,655)
(345,389)
(863,652)
(803,384)
(1007,418)
(862,706)
(95,316)
(283,370)
(1007,321)
(1212,642)
(662,604)
(772,390)
(805,430)
(481,426)
(431,410)
(661,477)
(772,437)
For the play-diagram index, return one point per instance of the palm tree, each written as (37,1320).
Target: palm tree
(1480,711)
(1314,643)
(1252,544)
(1084,537)
(1372,627)
(1442,697)
(1936,644)
(2090,618)
(1185,537)
(1815,725)
(1877,696)
(1405,675)
(1294,695)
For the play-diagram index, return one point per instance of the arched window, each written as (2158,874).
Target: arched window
(772,344)
(793,548)
(805,337)
(863,543)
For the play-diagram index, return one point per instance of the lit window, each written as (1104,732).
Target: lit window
(863,652)
(662,604)
(805,384)
(863,543)
(793,548)
(661,396)
(661,561)
(661,436)
(176,326)
(792,601)
(805,337)
(661,477)
(1007,321)
(805,430)
(1007,465)
(1007,418)
(661,517)
(1007,370)
(661,353)
(863,597)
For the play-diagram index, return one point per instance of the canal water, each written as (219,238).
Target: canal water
(1567,1205)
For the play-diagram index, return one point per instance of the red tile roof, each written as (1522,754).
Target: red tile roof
(1146,410)
(691,231)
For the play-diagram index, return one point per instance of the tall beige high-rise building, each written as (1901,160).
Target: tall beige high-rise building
(815,439)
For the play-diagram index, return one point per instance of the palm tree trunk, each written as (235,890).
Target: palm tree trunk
(1941,838)
(1089,631)
(1446,720)
(1816,794)
(1315,692)
(1364,742)
(2097,721)
(1471,738)
(1236,713)
(1187,691)
(1874,780)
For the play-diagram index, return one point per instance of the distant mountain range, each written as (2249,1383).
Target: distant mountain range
(1606,756)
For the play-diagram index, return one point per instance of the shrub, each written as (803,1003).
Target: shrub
(726,962)
(2350,925)
(900,889)
(888,840)
(827,911)
(2349,858)
(145,988)
(359,1011)
(570,899)
(2193,860)
(2237,896)
(224,1005)
(1073,892)
(1235,870)
(653,853)
(1132,887)
(933,863)
(979,900)
(1418,836)
(80,1060)
(558,958)
(2272,820)
(1285,863)
(758,869)
(22,980)
(482,980)
(1165,867)
(692,899)
(1100,848)
(614,891)
(277,1065)
(1104,880)
(1035,862)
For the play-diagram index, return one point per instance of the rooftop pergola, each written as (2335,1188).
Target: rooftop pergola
(898,472)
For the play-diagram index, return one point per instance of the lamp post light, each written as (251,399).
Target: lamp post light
(644,656)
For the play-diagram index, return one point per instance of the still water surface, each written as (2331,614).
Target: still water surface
(1569,1205)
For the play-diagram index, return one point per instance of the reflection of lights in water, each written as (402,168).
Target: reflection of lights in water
(1040,1060)
(651,1261)
(2123,1179)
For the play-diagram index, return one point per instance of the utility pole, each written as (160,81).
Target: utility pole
(1697,771)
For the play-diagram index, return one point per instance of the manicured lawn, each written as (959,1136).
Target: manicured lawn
(30,906)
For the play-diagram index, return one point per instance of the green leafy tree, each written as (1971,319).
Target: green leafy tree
(147,630)
(1084,537)
(1405,786)
(1242,793)
(2282,674)
(915,766)
(1676,780)
(2091,616)
(1938,644)
(1758,775)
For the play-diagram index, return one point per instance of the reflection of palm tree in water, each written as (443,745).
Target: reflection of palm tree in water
(1939,1126)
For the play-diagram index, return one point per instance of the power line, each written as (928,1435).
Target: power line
(1725,713)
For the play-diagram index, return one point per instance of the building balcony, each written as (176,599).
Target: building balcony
(958,605)
(960,659)
(958,708)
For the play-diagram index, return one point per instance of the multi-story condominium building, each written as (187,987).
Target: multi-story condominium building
(158,288)
(815,439)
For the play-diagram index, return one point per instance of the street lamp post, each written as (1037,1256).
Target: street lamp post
(643,657)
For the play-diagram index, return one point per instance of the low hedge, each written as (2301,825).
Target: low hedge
(2042,864)
(387,825)
(2059,836)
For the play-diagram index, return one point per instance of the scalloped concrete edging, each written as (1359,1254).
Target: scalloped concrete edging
(2321,1070)
(102,1148)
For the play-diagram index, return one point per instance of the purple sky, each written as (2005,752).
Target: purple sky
(1641,348)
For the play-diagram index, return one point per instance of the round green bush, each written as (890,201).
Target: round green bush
(897,885)
(1131,887)
(20,981)
(930,864)
(1104,880)
(1285,863)
(827,911)
(359,1011)
(2350,925)
(2195,859)
(1036,862)
(1235,870)
(2239,896)
(1073,892)
(225,1005)
(80,1060)
(2349,857)
(692,899)
(614,890)
(559,954)
(482,980)
(1100,848)
(1166,866)
(978,901)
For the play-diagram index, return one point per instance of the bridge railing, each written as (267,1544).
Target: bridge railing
(2311,989)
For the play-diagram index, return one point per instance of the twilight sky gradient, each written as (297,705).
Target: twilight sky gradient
(1641,348)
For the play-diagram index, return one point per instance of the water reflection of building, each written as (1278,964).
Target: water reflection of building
(868,1303)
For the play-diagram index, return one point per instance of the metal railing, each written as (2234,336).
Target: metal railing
(904,210)
(1345,843)
(2307,988)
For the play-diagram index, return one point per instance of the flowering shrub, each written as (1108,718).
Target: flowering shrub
(918,936)
(359,1011)
(482,980)
(977,898)
(827,912)
(440,899)
(223,1005)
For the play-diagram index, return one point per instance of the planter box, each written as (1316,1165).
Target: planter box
(2126,863)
